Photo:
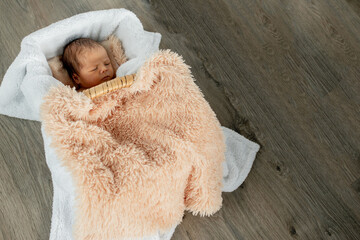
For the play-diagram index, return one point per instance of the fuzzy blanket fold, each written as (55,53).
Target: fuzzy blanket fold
(140,156)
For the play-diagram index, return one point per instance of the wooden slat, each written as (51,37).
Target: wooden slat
(109,86)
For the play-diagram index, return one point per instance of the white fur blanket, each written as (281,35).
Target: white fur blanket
(29,78)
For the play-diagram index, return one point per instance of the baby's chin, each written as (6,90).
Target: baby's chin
(99,81)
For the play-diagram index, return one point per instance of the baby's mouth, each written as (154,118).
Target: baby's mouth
(106,78)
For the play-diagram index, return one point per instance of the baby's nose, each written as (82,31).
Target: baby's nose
(103,69)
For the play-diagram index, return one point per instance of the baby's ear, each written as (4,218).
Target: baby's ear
(76,78)
(59,72)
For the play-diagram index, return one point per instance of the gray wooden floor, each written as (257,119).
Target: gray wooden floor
(282,73)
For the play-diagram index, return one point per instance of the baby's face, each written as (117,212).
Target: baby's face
(95,68)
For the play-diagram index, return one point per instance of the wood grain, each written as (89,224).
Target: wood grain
(282,73)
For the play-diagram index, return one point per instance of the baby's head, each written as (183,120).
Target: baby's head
(87,62)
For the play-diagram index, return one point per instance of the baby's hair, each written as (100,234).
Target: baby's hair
(72,50)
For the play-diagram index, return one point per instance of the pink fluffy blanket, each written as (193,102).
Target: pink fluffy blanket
(139,156)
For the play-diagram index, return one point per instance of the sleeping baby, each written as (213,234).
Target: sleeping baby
(87,63)
(139,157)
